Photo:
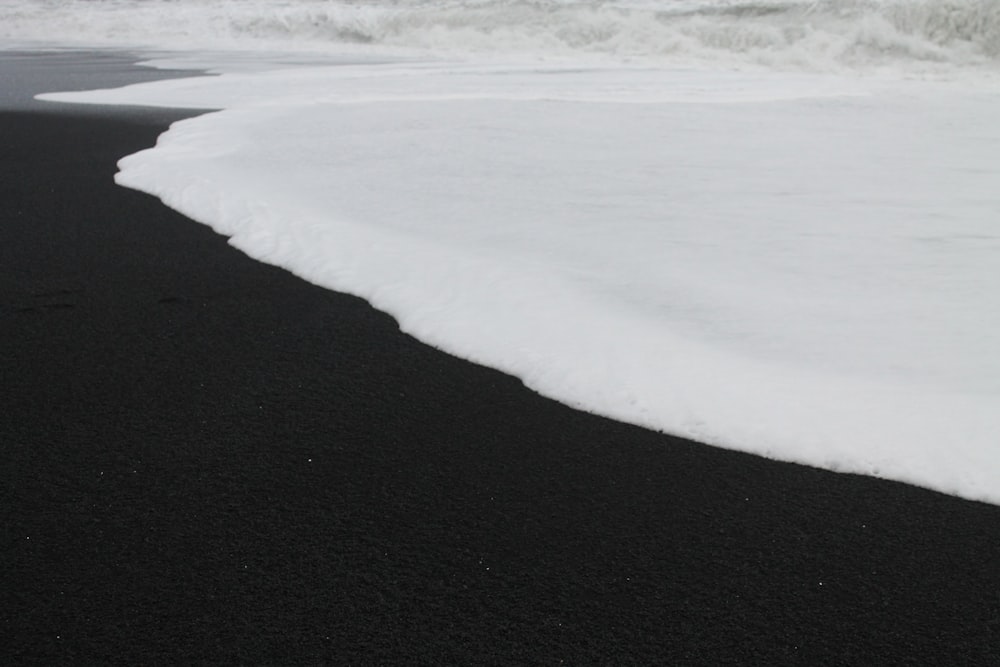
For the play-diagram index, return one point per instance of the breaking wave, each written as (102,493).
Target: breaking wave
(825,34)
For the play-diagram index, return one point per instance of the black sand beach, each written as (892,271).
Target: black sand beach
(204,459)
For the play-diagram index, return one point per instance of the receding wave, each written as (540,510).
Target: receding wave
(802,34)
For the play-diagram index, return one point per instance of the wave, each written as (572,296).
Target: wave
(825,34)
(812,280)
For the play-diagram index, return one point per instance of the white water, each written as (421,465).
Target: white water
(921,35)
(799,261)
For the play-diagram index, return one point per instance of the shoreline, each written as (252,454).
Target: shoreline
(211,460)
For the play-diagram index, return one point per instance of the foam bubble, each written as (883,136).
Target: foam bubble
(799,266)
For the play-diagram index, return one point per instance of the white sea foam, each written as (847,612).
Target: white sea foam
(712,220)
(799,266)
(911,35)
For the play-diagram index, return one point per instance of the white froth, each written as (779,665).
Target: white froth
(914,36)
(798,266)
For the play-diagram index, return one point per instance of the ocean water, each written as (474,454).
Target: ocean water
(768,226)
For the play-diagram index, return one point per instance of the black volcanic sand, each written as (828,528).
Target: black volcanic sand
(204,459)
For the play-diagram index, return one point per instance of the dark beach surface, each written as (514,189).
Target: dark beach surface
(204,459)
